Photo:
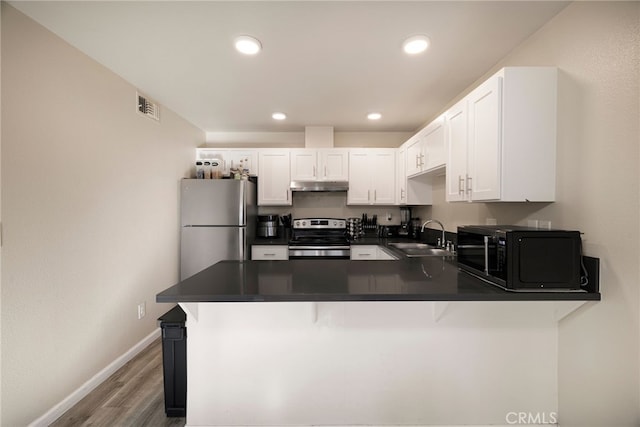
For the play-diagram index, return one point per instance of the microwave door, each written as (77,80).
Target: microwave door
(472,251)
(483,253)
(486,255)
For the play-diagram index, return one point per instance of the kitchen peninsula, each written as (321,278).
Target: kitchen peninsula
(418,279)
(341,342)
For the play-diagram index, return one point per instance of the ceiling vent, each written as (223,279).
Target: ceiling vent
(148,107)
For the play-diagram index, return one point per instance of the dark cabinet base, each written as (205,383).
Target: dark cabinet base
(174,361)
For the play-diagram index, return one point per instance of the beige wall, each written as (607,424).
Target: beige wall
(297,139)
(90,216)
(596,46)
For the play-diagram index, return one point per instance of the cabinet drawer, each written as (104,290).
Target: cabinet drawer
(367,252)
(269,252)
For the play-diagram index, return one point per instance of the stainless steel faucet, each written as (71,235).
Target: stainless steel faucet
(441,226)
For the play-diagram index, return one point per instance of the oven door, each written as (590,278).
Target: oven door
(319,252)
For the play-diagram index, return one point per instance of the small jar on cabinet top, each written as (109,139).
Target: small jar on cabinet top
(199,170)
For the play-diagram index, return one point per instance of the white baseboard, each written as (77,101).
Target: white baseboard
(384,425)
(57,410)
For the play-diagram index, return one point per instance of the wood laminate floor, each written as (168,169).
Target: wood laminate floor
(131,397)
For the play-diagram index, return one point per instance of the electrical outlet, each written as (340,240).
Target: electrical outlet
(545,225)
(142,310)
(532,223)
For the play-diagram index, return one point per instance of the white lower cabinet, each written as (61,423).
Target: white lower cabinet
(364,252)
(369,252)
(269,252)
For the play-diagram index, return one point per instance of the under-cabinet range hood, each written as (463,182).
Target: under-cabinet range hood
(319,185)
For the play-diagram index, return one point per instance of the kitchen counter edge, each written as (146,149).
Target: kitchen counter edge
(474,289)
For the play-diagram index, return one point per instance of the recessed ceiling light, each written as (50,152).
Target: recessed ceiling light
(279,116)
(416,44)
(374,116)
(247,45)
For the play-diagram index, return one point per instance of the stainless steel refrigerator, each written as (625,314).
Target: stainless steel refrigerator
(218,222)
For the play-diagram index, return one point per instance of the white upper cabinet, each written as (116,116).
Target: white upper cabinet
(415,190)
(414,155)
(401,175)
(320,165)
(383,176)
(484,141)
(274,181)
(231,158)
(359,178)
(435,156)
(456,137)
(304,165)
(333,164)
(372,176)
(426,150)
(501,138)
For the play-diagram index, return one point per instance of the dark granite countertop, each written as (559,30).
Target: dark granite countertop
(418,279)
(370,239)
(280,240)
(379,241)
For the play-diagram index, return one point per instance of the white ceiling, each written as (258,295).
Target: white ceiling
(323,63)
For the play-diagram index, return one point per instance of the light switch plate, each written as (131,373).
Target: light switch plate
(142,310)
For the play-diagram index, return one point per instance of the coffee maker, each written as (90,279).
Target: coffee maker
(267,225)
(405,221)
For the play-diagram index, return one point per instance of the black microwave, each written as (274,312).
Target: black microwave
(521,258)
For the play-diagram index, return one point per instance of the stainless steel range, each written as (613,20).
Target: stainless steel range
(319,238)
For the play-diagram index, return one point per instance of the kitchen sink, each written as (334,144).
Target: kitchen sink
(410,245)
(425,252)
(412,250)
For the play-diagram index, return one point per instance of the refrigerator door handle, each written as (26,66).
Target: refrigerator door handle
(242,208)
(242,243)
